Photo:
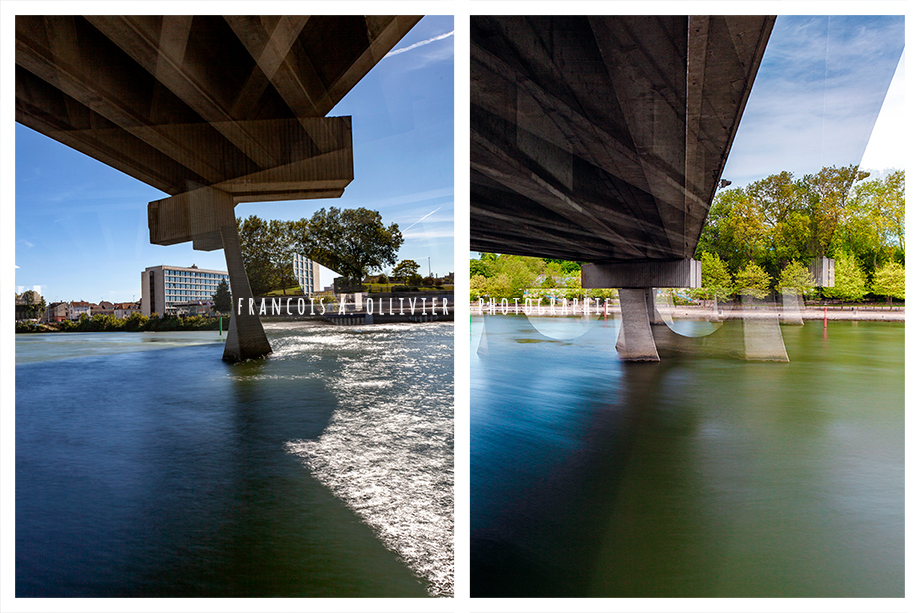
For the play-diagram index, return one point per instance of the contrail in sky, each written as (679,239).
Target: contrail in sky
(418,44)
(424,216)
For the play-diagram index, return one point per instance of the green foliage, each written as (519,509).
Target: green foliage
(133,323)
(849,279)
(483,267)
(752,280)
(406,269)
(267,254)
(351,242)
(565,266)
(514,276)
(796,279)
(873,221)
(222,299)
(478,286)
(781,219)
(889,281)
(716,279)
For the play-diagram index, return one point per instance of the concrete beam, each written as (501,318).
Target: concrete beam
(608,132)
(642,274)
(196,216)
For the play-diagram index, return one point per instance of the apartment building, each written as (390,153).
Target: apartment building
(172,290)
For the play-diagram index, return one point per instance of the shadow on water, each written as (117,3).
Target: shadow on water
(692,477)
(164,473)
(542,539)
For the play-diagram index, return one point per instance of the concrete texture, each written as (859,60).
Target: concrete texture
(635,342)
(214,111)
(602,139)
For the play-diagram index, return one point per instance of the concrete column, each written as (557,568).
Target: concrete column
(792,309)
(245,337)
(763,339)
(654,315)
(635,342)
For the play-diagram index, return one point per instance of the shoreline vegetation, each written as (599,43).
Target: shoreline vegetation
(133,323)
(140,323)
(698,312)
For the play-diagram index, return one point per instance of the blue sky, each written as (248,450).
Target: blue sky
(81,226)
(818,92)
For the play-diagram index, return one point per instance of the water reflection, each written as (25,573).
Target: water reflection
(691,477)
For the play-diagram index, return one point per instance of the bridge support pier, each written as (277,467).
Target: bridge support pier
(245,336)
(638,280)
(763,340)
(635,342)
(792,309)
(205,217)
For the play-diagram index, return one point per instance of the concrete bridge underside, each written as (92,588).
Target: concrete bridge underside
(603,139)
(213,111)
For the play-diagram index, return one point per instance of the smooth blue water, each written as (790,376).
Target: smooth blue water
(324,470)
(692,477)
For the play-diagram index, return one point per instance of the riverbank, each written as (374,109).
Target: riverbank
(699,312)
(845,313)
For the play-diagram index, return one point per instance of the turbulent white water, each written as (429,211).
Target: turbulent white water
(387,450)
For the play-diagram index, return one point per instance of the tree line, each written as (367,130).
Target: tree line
(760,239)
(136,322)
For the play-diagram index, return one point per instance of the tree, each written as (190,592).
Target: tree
(849,279)
(565,266)
(484,266)
(796,279)
(221,297)
(259,245)
(753,281)
(406,269)
(889,281)
(872,227)
(716,279)
(351,242)
(827,198)
(478,287)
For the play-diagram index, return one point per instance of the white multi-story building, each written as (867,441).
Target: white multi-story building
(169,290)
(306,271)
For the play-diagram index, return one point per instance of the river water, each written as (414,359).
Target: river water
(692,477)
(146,466)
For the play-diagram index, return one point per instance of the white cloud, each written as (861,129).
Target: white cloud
(816,98)
(418,44)
(446,231)
(422,218)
